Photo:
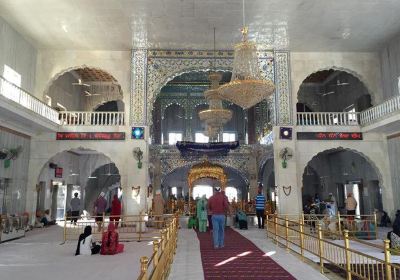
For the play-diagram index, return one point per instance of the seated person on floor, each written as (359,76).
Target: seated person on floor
(110,242)
(241,219)
(87,244)
(46,219)
(394,236)
(385,220)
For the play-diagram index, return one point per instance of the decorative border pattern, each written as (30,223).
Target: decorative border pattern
(283,102)
(152,69)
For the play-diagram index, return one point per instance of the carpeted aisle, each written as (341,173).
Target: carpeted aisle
(239,259)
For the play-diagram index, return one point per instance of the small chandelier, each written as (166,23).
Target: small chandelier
(216,116)
(246,88)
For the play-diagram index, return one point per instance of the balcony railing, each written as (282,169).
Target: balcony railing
(328,118)
(379,111)
(26,100)
(68,118)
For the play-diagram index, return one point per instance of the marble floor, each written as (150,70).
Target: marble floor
(187,263)
(39,256)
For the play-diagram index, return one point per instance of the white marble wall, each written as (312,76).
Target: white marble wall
(17,172)
(45,147)
(17,53)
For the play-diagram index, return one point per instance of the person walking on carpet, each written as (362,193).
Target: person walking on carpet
(218,206)
(202,213)
(260,208)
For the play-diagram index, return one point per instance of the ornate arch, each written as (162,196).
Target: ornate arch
(59,74)
(207,169)
(153,69)
(343,69)
(371,162)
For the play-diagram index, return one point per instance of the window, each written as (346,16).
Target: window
(7,89)
(174,191)
(174,137)
(228,137)
(200,138)
(231,193)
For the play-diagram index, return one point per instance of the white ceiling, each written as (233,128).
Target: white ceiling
(299,25)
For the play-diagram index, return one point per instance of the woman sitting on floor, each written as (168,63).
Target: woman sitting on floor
(110,242)
(87,244)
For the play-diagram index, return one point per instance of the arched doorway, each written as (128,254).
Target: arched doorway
(338,172)
(83,171)
(333,90)
(175,183)
(84,89)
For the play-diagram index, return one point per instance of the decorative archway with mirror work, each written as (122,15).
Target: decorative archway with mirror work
(206,169)
(152,69)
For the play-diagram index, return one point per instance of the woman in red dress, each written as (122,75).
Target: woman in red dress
(110,242)
(115,210)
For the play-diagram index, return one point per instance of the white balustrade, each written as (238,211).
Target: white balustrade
(68,118)
(26,100)
(379,111)
(327,118)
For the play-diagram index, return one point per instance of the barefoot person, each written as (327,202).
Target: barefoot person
(218,206)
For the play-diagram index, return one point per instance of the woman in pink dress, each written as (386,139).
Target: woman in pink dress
(110,242)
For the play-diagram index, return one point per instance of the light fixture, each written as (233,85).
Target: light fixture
(215,116)
(246,88)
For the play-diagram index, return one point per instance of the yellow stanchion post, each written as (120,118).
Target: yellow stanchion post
(140,226)
(320,250)
(301,225)
(144,261)
(163,239)
(156,245)
(388,271)
(287,232)
(276,228)
(267,223)
(348,254)
(376,225)
(65,228)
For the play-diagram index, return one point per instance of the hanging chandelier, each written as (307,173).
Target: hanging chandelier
(246,88)
(216,116)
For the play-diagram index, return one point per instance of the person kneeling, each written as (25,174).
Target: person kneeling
(110,242)
(87,244)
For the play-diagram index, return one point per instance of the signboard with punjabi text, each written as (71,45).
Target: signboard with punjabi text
(90,136)
(329,136)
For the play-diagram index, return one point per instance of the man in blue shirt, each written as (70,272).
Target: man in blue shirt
(260,208)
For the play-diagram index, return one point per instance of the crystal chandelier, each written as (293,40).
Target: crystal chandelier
(216,116)
(246,88)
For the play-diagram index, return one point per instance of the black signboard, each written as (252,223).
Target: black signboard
(90,136)
(329,136)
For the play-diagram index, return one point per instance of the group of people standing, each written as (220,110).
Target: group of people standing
(215,209)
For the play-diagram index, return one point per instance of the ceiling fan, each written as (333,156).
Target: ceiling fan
(80,83)
(88,94)
(338,83)
(327,93)
(109,172)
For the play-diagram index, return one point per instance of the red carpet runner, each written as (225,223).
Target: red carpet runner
(239,259)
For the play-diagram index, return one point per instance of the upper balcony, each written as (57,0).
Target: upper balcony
(21,109)
(383,118)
